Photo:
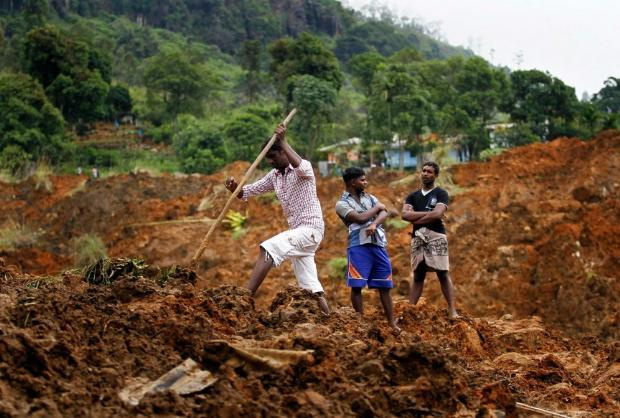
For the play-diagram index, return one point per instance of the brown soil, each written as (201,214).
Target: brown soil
(534,253)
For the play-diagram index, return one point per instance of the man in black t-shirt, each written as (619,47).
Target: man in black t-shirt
(424,208)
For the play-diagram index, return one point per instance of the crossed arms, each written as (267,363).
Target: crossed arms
(422,218)
(360,218)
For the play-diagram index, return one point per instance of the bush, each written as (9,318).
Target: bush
(515,136)
(161,134)
(337,267)
(118,102)
(88,249)
(489,153)
(396,223)
(91,156)
(199,146)
(15,160)
(30,126)
(14,235)
(42,176)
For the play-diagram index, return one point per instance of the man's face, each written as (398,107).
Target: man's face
(428,175)
(359,184)
(277,159)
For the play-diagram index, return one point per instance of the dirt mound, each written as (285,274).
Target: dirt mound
(68,347)
(534,242)
(539,234)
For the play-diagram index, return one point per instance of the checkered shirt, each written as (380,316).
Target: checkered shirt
(296,191)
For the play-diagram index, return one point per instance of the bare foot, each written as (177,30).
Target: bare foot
(395,327)
(454,314)
(323,306)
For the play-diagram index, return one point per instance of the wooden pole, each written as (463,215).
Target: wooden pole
(541,411)
(234,194)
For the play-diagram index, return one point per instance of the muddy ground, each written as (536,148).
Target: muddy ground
(534,246)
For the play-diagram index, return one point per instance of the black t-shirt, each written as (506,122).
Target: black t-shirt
(427,203)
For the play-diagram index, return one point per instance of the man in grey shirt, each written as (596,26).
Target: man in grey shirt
(368,261)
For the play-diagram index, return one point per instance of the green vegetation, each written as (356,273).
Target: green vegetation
(42,177)
(337,268)
(88,249)
(236,222)
(14,235)
(105,271)
(208,83)
(30,126)
(396,223)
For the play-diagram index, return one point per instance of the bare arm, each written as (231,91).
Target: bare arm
(432,216)
(381,217)
(360,218)
(293,157)
(261,186)
(409,215)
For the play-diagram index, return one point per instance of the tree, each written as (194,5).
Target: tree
(81,97)
(30,126)
(305,55)
(315,99)
(250,55)
(399,106)
(175,85)
(246,134)
(480,90)
(198,145)
(74,75)
(363,68)
(543,102)
(349,46)
(608,98)
(118,101)
(406,56)
(589,117)
(35,12)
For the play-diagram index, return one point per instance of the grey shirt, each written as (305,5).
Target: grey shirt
(357,232)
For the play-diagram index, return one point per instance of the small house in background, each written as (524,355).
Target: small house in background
(347,150)
(343,153)
(350,152)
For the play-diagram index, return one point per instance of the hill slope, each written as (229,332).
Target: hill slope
(534,242)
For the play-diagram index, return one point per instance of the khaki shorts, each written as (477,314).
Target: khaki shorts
(298,245)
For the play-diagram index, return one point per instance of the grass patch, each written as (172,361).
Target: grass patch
(7,177)
(42,177)
(14,235)
(36,284)
(87,249)
(117,161)
(337,268)
(396,223)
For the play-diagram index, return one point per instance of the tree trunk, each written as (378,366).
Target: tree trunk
(401,154)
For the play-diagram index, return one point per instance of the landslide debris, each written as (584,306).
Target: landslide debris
(68,348)
(534,253)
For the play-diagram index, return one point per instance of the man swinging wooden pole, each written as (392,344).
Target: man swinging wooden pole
(245,178)
(293,182)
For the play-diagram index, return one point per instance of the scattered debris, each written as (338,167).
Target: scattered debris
(185,379)
(107,270)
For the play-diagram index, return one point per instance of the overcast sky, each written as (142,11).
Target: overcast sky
(577,41)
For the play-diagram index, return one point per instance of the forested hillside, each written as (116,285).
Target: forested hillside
(229,23)
(201,84)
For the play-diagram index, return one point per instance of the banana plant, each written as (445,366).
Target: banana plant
(235,220)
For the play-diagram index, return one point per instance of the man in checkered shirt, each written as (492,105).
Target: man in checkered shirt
(293,181)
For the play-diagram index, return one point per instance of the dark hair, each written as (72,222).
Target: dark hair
(432,164)
(352,173)
(274,147)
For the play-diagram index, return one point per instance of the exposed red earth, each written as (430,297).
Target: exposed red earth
(534,247)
